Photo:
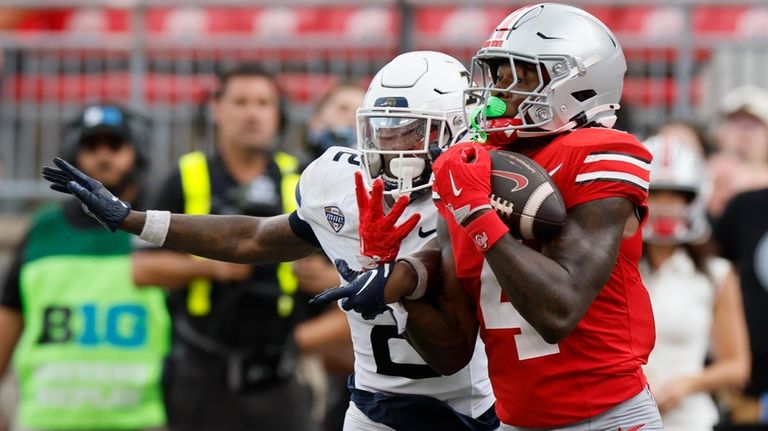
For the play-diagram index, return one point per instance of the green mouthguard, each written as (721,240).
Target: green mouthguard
(494,107)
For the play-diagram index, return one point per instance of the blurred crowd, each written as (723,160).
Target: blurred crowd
(247,328)
(216,307)
(240,342)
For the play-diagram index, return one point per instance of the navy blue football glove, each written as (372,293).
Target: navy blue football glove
(364,292)
(96,200)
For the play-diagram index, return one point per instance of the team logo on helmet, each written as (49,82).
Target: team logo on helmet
(391,102)
(335,217)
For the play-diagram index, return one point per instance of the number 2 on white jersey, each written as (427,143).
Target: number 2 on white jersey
(503,315)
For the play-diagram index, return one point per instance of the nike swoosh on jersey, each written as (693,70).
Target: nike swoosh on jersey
(426,233)
(456,190)
(634,428)
(552,172)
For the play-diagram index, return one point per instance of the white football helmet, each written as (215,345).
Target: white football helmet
(677,166)
(414,104)
(580,67)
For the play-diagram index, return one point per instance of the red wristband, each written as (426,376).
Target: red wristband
(486,230)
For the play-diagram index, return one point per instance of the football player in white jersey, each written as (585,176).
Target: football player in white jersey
(413,105)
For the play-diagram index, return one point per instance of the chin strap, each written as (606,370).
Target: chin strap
(496,107)
(585,117)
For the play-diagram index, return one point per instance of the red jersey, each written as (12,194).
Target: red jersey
(598,365)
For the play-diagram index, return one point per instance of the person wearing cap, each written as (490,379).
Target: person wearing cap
(740,162)
(742,235)
(233,360)
(701,335)
(87,345)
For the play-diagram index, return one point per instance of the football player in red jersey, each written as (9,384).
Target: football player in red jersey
(567,324)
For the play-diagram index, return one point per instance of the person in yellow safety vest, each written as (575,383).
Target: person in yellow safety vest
(326,334)
(87,345)
(233,356)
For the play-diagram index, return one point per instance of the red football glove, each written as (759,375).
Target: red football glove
(379,238)
(463,182)
(463,179)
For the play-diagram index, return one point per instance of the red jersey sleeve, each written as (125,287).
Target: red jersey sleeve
(606,163)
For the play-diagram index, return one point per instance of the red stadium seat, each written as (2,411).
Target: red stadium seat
(719,20)
(300,88)
(656,92)
(716,20)
(231,20)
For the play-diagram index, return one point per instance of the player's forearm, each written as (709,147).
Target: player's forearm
(437,337)
(553,289)
(442,327)
(541,291)
(405,278)
(240,239)
(215,237)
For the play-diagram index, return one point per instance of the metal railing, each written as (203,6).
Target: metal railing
(47,75)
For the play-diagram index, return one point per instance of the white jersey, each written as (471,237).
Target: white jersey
(384,361)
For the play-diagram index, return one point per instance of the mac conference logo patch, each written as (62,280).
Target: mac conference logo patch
(335,217)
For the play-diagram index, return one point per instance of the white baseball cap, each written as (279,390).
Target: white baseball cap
(749,100)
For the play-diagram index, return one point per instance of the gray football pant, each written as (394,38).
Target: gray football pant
(638,413)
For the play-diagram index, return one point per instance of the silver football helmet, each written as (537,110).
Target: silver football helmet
(413,105)
(579,63)
(677,166)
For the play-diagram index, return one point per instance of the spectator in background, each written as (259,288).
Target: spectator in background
(740,162)
(327,334)
(233,358)
(333,120)
(688,133)
(695,296)
(742,234)
(390,384)
(88,346)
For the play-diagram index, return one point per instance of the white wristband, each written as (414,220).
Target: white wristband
(421,275)
(156,227)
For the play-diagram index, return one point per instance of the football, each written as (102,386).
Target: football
(525,197)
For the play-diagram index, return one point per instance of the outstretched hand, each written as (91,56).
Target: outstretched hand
(380,239)
(96,200)
(364,292)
